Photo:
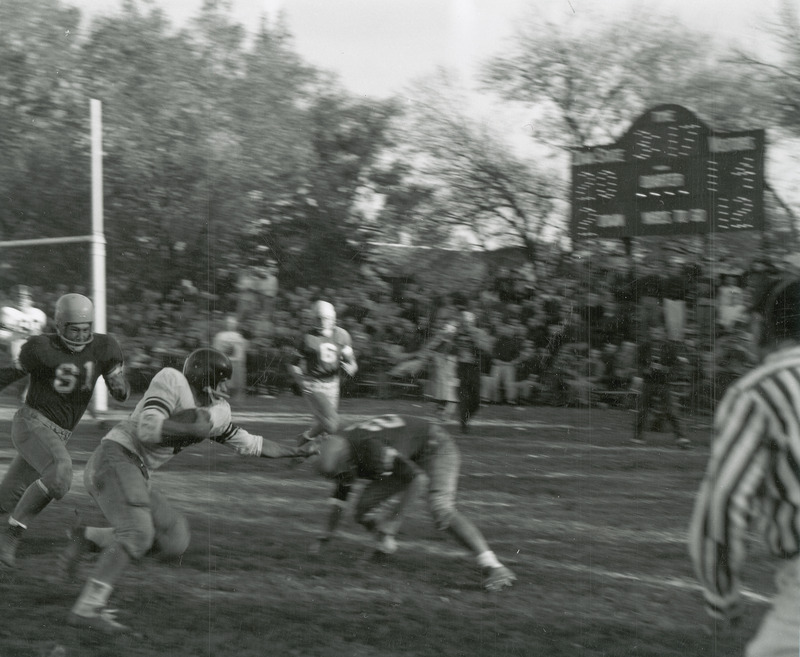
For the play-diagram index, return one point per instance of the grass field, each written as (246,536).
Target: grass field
(593,527)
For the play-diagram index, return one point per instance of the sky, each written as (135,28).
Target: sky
(378,47)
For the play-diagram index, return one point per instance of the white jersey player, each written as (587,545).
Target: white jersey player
(117,476)
(18,323)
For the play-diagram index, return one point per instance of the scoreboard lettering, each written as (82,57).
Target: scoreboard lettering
(669,174)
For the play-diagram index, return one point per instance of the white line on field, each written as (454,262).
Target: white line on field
(673,582)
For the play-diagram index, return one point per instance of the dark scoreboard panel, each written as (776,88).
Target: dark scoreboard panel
(670,174)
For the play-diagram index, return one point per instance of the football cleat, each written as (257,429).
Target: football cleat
(103,620)
(496,579)
(71,557)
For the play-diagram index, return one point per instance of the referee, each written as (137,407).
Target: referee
(753,476)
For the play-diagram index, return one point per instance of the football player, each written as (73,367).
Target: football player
(117,476)
(63,369)
(397,453)
(18,323)
(324,352)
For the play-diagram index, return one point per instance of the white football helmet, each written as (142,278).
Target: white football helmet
(324,316)
(74,309)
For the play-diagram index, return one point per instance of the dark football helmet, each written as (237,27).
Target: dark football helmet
(335,457)
(207,368)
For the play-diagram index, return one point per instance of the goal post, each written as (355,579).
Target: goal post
(96,239)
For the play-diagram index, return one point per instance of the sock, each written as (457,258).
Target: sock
(488,560)
(15,525)
(32,503)
(93,598)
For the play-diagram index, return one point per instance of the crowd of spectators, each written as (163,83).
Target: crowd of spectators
(562,334)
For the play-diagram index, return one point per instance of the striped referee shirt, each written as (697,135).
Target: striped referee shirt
(754,469)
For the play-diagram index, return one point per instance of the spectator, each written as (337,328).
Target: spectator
(658,360)
(471,344)
(731,306)
(442,371)
(675,290)
(649,294)
(506,354)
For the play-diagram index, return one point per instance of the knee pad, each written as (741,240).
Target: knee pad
(58,479)
(173,540)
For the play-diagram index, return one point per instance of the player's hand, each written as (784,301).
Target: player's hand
(307,449)
(118,386)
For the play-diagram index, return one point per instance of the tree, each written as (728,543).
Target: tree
(589,78)
(779,72)
(42,183)
(454,176)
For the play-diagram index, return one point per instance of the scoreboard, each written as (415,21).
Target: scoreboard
(670,174)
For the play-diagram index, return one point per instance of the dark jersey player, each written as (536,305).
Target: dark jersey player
(397,454)
(63,369)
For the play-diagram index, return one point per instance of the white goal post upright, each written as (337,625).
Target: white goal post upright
(97,242)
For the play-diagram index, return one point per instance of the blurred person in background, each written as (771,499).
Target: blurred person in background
(649,293)
(440,353)
(506,355)
(471,343)
(675,291)
(234,345)
(658,362)
(18,322)
(731,305)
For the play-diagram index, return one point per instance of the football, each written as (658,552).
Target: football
(189,415)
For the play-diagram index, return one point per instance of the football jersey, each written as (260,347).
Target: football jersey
(168,393)
(323,354)
(369,440)
(62,381)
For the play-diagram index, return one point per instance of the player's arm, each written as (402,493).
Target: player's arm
(247,444)
(10,374)
(297,365)
(348,359)
(114,374)
(724,504)
(118,385)
(244,443)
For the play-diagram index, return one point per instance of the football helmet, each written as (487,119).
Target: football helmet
(207,368)
(324,316)
(74,309)
(335,457)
